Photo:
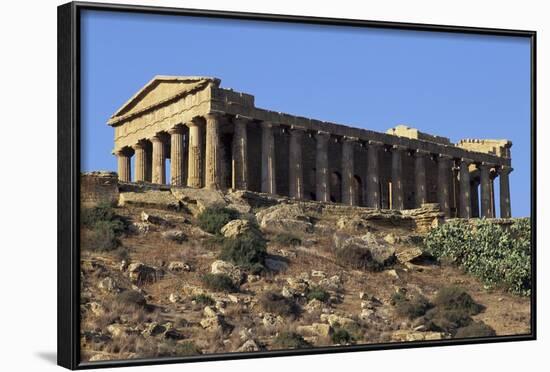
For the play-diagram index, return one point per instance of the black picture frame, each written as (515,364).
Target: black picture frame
(68,332)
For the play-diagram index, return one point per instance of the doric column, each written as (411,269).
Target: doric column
(140,162)
(397,177)
(420,177)
(124,165)
(322,182)
(505,209)
(295,165)
(443,171)
(373,174)
(159,160)
(268,158)
(194,158)
(148,163)
(214,154)
(348,191)
(177,157)
(239,174)
(474,196)
(465,200)
(486,203)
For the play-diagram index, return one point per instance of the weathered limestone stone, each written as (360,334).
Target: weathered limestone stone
(486,185)
(124,165)
(194,165)
(443,172)
(348,191)
(397,197)
(465,207)
(420,177)
(505,209)
(177,157)
(98,188)
(140,162)
(322,184)
(240,154)
(268,159)
(373,175)
(295,166)
(214,153)
(159,160)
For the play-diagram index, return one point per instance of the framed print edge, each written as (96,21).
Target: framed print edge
(68,148)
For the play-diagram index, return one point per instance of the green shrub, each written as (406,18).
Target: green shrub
(411,308)
(275,303)
(203,299)
(341,336)
(290,340)
(497,254)
(219,283)
(103,227)
(247,251)
(317,293)
(456,299)
(171,348)
(132,297)
(212,219)
(287,239)
(475,329)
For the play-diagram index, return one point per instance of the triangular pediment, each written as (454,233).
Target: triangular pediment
(161,89)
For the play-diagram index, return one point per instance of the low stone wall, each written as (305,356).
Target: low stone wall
(98,188)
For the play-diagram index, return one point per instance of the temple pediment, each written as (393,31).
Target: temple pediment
(160,89)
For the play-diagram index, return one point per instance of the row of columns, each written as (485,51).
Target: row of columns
(191,175)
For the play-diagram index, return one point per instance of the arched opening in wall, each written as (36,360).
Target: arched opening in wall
(336,187)
(357,190)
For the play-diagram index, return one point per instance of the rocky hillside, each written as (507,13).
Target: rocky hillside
(186,272)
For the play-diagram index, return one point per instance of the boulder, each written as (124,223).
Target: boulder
(285,217)
(177,236)
(408,255)
(178,266)
(237,228)
(270,320)
(373,251)
(153,329)
(337,320)
(334,283)
(140,273)
(108,285)
(354,224)
(227,268)
(96,308)
(407,335)
(317,329)
(249,346)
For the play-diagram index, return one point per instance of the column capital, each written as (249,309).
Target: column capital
(140,145)
(322,134)
(350,139)
(156,139)
(466,161)
(419,153)
(124,151)
(373,143)
(241,119)
(504,170)
(268,124)
(397,148)
(444,157)
(213,115)
(175,130)
(484,165)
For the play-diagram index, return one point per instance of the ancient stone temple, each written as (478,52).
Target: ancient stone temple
(217,138)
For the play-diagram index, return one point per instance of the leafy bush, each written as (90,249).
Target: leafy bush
(456,299)
(247,251)
(219,283)
(475,329)
(497,254)
(341,336)
(317,293)
(275,303)
(203,299)
(290,340)
(411,308)
(172,348)
(212,219)
(132,297)
(103,227)
(453,310)
(287,239)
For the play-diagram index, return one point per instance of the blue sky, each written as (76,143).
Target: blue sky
(453,85)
